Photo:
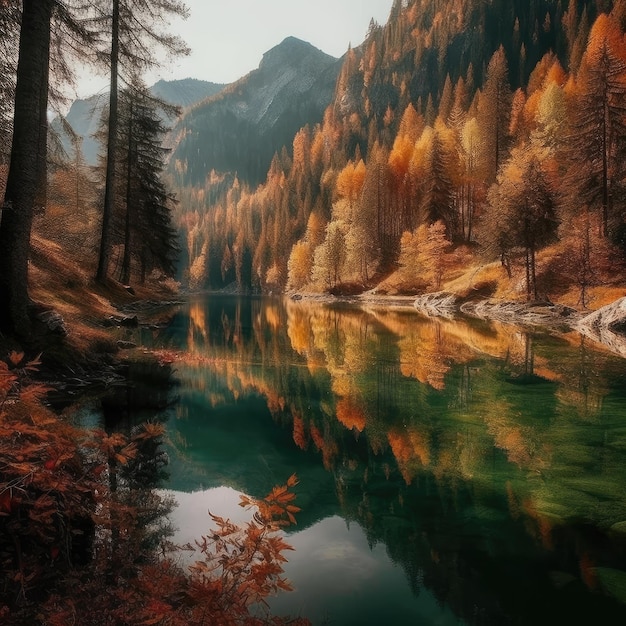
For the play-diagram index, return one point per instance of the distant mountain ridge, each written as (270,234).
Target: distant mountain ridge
(241,128)
(84,114)
(185,92)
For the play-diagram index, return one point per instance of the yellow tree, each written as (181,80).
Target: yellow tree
(472,190)
(350,184)
(599,124)
(494,112)
(329,257)
(299,265)
(400,182)
(523,206)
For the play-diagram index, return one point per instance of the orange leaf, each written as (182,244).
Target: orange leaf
(16,357)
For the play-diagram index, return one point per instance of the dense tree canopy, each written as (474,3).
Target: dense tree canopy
(435,108)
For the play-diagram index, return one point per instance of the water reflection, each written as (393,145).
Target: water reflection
(485,462)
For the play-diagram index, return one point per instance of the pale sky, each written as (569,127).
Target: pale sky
(228,37)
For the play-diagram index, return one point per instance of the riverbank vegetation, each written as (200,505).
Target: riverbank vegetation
(83,534)
(84,537)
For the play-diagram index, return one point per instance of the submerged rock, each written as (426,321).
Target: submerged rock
(439,304)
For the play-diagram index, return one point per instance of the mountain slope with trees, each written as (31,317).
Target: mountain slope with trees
(85,114)
(240,129)
(453,140)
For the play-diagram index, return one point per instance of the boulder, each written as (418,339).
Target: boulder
(439,304)
(607,326)
(53,322)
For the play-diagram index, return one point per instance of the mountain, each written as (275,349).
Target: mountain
(185,92)
(241,128)
(428,121)
(84,114)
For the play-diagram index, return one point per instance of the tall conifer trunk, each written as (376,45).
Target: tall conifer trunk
(27,169)
(126,263)
(109,188)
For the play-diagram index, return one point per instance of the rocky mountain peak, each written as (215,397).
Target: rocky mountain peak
(293,52)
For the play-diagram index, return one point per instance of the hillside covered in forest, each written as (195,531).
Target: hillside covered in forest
(462,136)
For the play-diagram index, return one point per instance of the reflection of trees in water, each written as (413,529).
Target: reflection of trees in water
(135,410)
(484,565)
(458,446)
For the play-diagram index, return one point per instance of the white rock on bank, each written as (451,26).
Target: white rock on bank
(607,326)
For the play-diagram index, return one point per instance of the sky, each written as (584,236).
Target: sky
(228,37)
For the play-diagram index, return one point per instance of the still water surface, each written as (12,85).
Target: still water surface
(451,472)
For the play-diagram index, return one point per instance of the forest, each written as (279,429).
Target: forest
(82,529)
(466,135)
(470,146)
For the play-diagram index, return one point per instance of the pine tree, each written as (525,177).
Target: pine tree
(438,200)
(599,124)
(27,167)
(148,235)
(494,112)
(131,51)
(524,210)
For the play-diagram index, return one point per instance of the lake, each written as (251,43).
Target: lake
(451,472)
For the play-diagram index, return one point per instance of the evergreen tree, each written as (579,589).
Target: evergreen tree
(132,51)
(26,165)
(599,122)
(524,208)
(438,200)
(494,112)
(149,236)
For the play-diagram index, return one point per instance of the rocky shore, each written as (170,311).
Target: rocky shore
(546,314)
(606,326)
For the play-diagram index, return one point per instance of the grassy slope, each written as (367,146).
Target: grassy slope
(62,281)
(482,280)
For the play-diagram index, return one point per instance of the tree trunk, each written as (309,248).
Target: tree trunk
(606,124)
(527,273)
(109,186)
(127,227)
(25,170)
(533,271)
(41,199)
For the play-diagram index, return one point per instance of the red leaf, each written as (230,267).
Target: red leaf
(6,501)
(16,357)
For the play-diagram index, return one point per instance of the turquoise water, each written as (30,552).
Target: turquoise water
(450,472)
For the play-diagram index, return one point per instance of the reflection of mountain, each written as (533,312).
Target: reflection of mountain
(236,443)
(485,490)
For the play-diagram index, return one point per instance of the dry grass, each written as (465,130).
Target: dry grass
(64,283)
(554,283)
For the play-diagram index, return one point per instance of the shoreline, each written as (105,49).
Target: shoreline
(605,326)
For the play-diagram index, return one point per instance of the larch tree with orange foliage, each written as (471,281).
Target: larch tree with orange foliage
(349,185)
(494,112)
(599,125)
(524,207)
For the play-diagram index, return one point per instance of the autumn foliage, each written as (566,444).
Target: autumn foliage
(501,150)
(82,537)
